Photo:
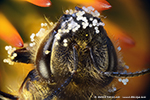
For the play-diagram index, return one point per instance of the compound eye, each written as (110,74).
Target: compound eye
(43,57)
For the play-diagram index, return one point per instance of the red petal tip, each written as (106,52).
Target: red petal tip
(106,6)
(19,44)
(41,3)
(8,33)
(102,5)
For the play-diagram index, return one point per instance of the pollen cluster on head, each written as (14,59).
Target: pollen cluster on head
(41,33)
(33,35)
(91,10)
(79,19)
(68,25)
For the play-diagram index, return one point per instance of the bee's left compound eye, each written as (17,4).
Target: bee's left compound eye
(43,56)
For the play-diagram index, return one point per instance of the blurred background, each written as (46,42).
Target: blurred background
(131,16)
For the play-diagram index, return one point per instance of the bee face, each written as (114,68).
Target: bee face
(74,60)
(84,33)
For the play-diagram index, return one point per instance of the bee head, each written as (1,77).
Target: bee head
(77,43)
(79,36)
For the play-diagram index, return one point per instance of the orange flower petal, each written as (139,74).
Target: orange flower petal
(8,33)
(99,5)
(41,3)
(113,30)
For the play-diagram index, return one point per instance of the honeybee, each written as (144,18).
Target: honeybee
(74,59)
